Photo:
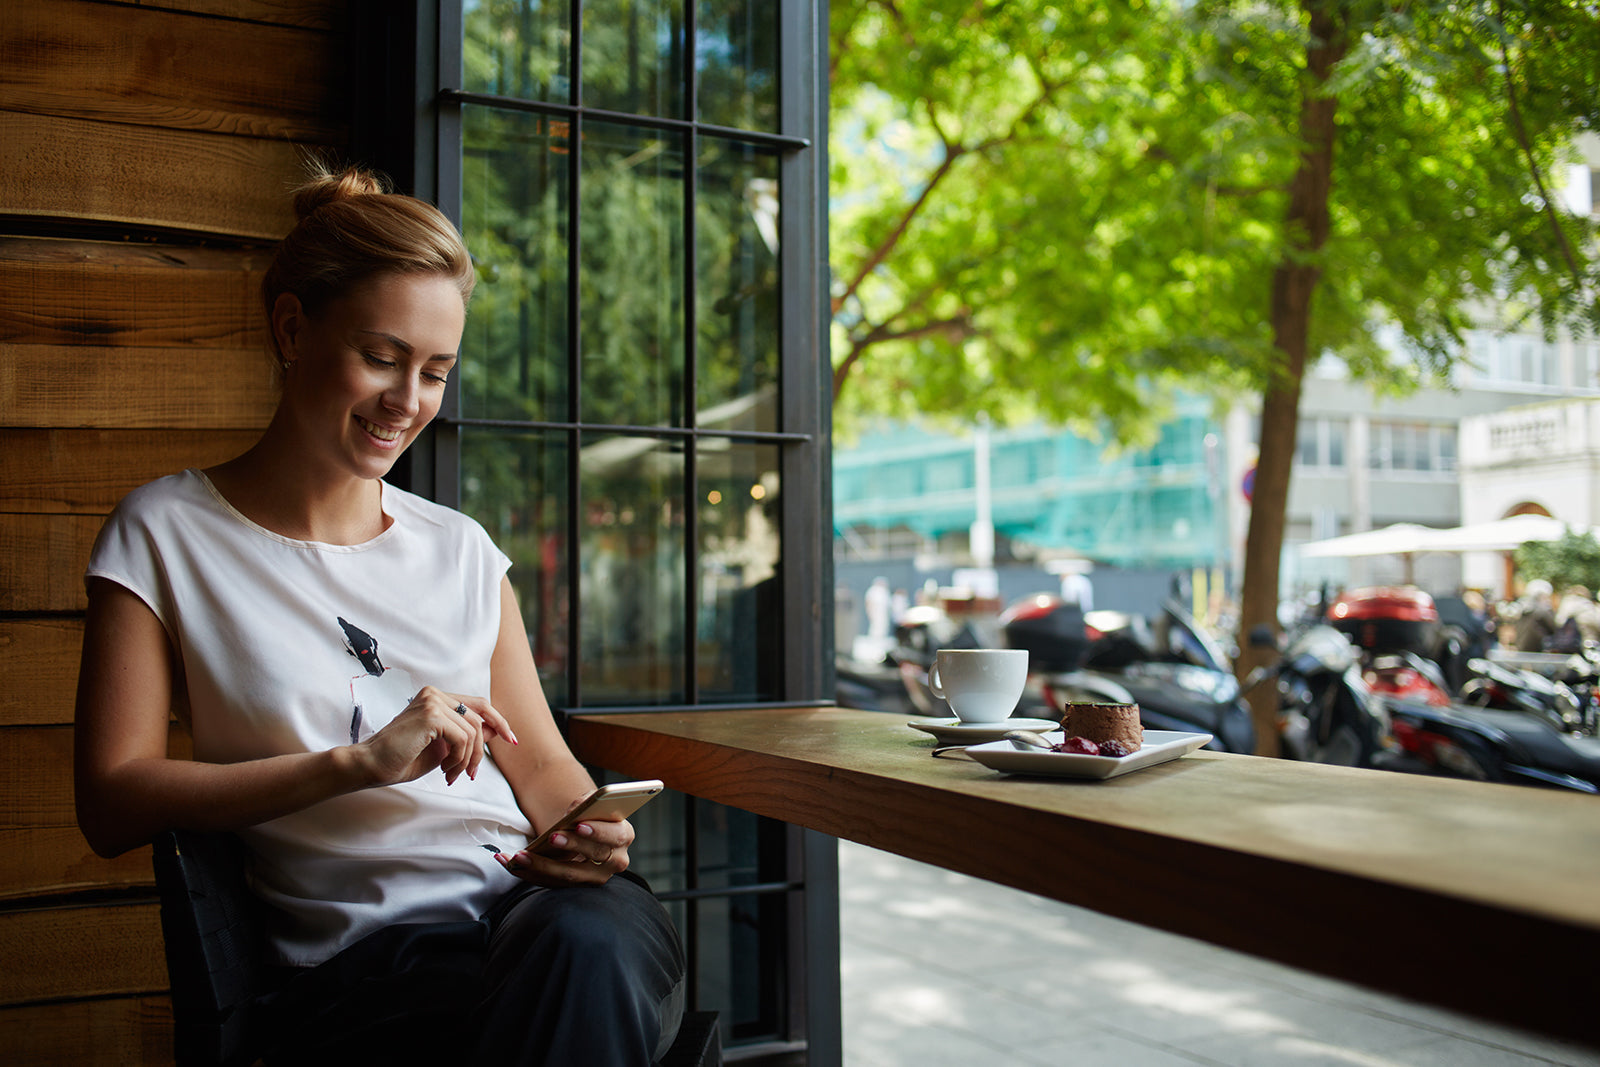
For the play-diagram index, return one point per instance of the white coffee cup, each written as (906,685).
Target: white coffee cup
(981,684)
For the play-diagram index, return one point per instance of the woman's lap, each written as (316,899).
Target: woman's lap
(588,975)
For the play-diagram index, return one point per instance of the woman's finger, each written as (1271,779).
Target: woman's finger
(457,729)
(493,721)
(551,871)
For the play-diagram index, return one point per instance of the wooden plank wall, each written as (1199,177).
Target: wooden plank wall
(148,151)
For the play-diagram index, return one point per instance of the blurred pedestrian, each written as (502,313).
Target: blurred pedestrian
(880,621)
(1536,620)
(1076,588)
(1579,608)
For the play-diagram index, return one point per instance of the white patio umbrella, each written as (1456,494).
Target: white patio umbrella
(1407,539)
(1400,539)
(1500,535)
(1403,539)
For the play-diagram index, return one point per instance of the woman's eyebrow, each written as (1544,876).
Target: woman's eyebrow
(405,346)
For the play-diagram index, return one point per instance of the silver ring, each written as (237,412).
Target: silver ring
(461,709)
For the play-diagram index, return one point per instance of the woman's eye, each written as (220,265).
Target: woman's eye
(437,379)
(377,361)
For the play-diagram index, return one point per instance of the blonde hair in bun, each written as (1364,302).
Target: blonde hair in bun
(351,228)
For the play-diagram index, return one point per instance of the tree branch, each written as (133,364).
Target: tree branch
(1520,130)
(887,245)
(956,327)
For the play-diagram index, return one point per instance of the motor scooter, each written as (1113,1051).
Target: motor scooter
(1506,688)
(1328,713)
(1488,744)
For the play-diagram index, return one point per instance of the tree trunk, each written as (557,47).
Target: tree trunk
(1293,284)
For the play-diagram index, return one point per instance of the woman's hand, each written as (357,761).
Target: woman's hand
(588,854)
(437,729)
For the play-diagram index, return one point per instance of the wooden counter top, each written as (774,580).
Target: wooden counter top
(1483,898)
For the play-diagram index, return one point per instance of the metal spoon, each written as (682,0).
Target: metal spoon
(1029,738)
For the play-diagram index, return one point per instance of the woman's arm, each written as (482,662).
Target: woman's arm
(545,776)
(128,790)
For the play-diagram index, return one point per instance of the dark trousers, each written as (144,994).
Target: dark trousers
(582,976)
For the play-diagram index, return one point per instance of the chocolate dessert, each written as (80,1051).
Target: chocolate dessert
(1102,723)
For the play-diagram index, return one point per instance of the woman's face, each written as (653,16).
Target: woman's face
(366,374)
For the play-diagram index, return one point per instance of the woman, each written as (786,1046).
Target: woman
(365,710)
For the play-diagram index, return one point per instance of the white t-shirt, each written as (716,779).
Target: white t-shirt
(298,646)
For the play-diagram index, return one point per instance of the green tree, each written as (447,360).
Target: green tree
(1061,213)
(1574,559)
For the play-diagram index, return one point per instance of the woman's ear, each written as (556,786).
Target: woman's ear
(288,324)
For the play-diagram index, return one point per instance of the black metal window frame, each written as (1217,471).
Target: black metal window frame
(804,389)
(408,119)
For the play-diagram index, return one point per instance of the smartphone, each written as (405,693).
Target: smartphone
(610,802)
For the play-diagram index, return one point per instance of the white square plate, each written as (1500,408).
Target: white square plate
(1013,758)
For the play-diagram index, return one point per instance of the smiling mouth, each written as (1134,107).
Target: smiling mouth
(378,431)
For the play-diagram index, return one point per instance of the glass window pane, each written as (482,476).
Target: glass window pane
(1305,445)
(1421,450)
(632,566)
(631,281)
(520,48)
(736,53)
(660,850)
(633,57)
(1447,448)
(515,484)
(740,633)
(737,287)
(1336,432)
(514,218)
(735,935)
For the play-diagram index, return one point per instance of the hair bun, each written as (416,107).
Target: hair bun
(328,186)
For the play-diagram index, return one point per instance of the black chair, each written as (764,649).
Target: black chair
(211,927)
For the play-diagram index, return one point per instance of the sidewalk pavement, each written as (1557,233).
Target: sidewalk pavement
(941,969)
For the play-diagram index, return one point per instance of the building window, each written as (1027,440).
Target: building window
(1320,443)
(1412,448)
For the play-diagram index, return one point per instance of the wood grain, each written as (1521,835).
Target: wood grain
(311,14)
(58,861)
(144,177)
(1302,863)
(36,778)
(42,559)
(149,67)
(106,950)
(85,471)
(177,388)
(78,297)
(119,255)
(38,670)
(113,1032)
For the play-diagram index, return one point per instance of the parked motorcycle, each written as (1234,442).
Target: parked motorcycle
(1327,711)
(1405,675)
(1505,688)
(1491,745)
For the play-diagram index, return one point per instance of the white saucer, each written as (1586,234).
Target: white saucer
(1160,746)
(956,732)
